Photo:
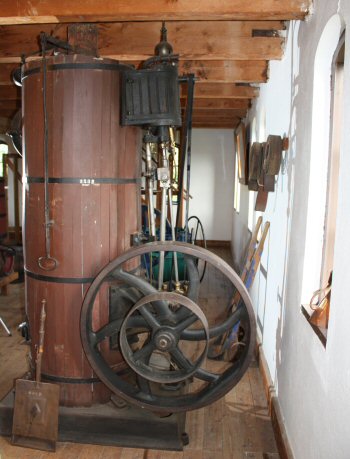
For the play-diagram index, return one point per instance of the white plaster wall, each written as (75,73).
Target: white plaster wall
(312,382)
(10,202)
(10,186)
(212,167)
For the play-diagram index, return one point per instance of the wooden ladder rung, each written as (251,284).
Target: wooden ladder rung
(5,280)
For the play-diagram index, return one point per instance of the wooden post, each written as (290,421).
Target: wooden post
(84,38)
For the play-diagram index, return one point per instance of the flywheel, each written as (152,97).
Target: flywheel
(153,350)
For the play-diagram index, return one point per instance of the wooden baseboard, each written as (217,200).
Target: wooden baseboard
(212,244)
(281,437)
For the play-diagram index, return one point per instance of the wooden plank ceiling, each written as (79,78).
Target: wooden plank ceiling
(227,44)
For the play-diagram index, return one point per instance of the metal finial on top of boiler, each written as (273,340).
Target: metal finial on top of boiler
(163,48)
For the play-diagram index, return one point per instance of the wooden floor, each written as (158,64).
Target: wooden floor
(235,427)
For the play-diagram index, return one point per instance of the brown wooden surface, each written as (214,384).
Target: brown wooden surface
(208,124)
(38,431)
(5,281)
(92,223)
(5,77)
(281,436)
(224,90)
(50,11)
(236,427)
(215,113)
(226,71)
(5,122)
(139,38)
(261,200)
(202,102)
(219,42)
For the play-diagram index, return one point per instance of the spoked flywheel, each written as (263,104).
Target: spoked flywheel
(152,351)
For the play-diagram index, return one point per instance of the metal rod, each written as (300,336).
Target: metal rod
(186,130)
(41,341)
(47,263)
(189,146)
(173,236)
(46,164)
(164,180)
(162,238)
(170,199)
(5,327)
(149,186)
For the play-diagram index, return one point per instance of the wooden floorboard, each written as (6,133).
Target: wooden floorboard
(236,427)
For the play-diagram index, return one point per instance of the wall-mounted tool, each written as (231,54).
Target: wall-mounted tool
(264,164)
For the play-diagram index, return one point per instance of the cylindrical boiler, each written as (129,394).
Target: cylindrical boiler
(91,172)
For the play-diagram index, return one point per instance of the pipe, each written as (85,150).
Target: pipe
(149,180)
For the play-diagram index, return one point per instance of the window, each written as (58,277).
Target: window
(324,165)
(237,185)
(3,151)
(333,161)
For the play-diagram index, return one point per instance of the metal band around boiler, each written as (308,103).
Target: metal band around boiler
(59,280)
(85,180)
(78,66)
(68,380)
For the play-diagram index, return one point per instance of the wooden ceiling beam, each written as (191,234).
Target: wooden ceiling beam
(203,103)
(227,71)
(213,71)
(136,41)
(4,124)
(52,11)
(200,113)
(5,74)
(222,91)
(216,125)
(10,93)
(210,124)
(8,113)
(10,104)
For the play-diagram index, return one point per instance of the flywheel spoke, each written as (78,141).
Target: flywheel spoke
(113,327)
(149,318)
(144,386)
(186,323)
(205,375)
(181,361)
(108,330)
(144,352)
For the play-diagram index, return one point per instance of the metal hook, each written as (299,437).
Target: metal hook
(47,263)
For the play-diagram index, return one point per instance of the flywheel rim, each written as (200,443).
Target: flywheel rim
(215,389)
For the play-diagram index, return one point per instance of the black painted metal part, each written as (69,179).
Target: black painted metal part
(150,336)
(151,97)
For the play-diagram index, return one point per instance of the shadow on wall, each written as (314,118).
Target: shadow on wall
(287,175)
(223,178)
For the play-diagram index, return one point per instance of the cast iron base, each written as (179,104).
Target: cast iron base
(108,425)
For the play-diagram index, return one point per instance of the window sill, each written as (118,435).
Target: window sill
(320,332)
